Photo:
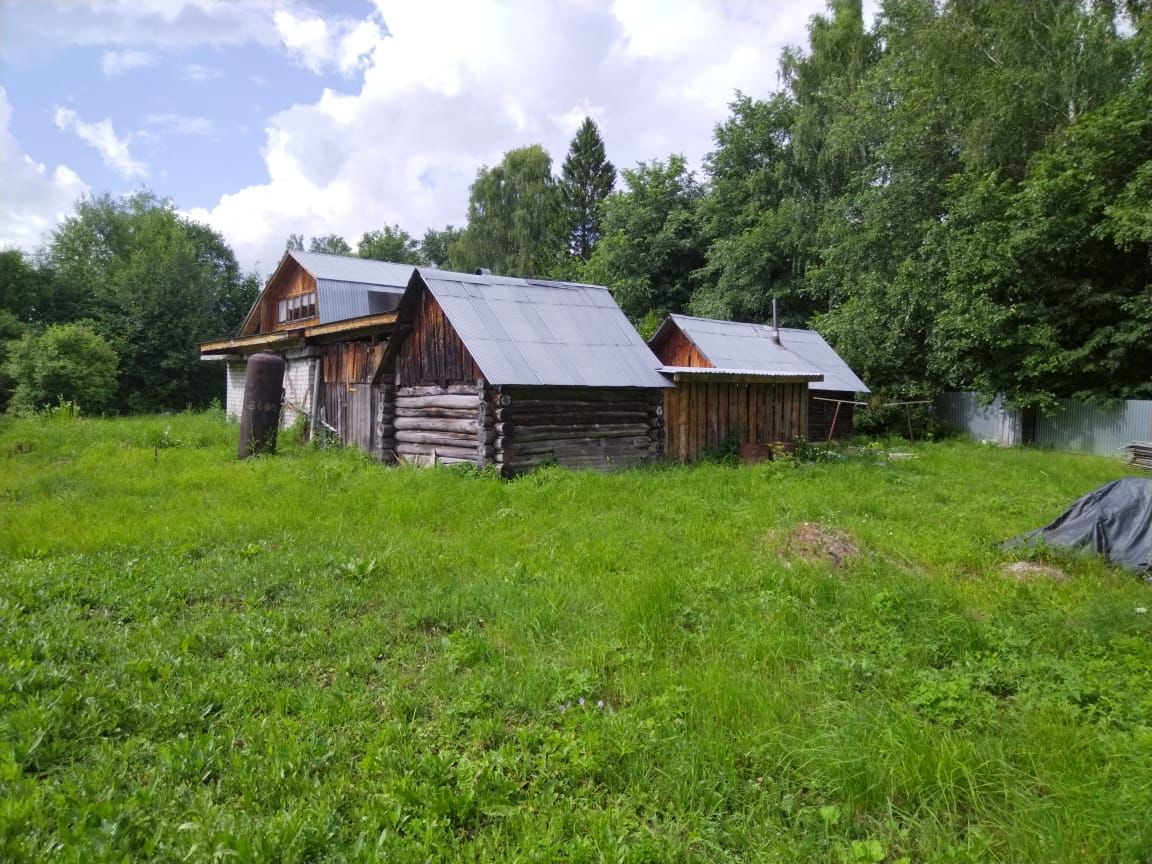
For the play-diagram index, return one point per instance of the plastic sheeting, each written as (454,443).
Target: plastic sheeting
(1114,521)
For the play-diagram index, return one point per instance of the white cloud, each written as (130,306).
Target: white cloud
(319,43)
(118,62)
(436,102)
(34,198)
(180,124)
(198,72)
(103,139)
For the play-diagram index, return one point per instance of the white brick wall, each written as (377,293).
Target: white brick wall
(234,387)
(298,380)
(297,389)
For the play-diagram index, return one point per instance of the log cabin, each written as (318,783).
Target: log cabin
(752,382)
(516,373)
(329,316)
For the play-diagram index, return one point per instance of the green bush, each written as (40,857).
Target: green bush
(66,363)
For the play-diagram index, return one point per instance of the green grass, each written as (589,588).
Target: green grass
(313,658)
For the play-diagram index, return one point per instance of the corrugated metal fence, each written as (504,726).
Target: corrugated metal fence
(1071,426)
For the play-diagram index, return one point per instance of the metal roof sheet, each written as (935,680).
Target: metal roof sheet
(346,268)
(535,332)
(339,300)
(733,345)
(813,375)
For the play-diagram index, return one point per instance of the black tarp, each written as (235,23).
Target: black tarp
(1114,521)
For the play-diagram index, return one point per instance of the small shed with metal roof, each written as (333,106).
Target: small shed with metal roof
(516,373)
(817,403)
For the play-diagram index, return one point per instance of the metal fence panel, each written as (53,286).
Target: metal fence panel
(992,422)
(1072,426)
(1090,429)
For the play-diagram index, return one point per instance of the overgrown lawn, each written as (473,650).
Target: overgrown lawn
(314,658)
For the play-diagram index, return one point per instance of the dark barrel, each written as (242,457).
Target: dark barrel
(263,392)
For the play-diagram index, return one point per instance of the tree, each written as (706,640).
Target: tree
(390,243)
(652,242)
(332,244)
(66,363)
(587,178)
(294,243)
(436,246)
(513,217)
(153,284)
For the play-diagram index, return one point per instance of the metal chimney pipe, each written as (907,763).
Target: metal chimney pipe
(775,324)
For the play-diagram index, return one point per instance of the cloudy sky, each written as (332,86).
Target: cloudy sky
(267,117)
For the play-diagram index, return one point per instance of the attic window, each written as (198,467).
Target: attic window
(297,308)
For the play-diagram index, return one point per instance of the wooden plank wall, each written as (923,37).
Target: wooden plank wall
(432,353)
(578,427)
(678,350)
(701,416)
(347,369)
(820,414)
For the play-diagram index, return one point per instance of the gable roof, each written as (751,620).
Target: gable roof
(536,332)
(734,345)
(346,287)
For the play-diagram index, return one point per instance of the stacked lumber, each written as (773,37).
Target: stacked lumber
(1140,454)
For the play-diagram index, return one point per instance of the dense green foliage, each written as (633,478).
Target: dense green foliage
(514,217)
(390,243)
(67,363)
(389,664)
(154,285)
(652,243)
(586,179)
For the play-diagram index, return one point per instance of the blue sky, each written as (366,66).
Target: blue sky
(267,117)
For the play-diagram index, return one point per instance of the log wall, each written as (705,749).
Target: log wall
(428,423)
(702,416)
(578,427)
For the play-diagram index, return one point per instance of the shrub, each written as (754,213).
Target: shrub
(66,363)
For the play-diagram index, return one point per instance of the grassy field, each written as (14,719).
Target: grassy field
(313,658)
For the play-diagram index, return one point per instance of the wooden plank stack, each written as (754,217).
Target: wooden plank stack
(1140,454)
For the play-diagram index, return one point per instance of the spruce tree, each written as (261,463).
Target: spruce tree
(586,180)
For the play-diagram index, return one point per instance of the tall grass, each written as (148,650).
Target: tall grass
(310,657)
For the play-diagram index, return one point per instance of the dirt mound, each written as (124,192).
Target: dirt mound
(1026,571)
(811,541)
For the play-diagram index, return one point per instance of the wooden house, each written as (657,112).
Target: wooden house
(330,317)
(517,373)
(750,383)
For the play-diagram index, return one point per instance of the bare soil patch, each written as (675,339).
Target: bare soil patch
(812,541)
(1027,571)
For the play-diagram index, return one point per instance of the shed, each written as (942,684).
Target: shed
(517,373)
(329,316)
(706,343)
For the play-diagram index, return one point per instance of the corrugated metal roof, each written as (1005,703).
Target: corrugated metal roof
(345,268)
(339,301)
(733,345)
(767,374)
(533,332)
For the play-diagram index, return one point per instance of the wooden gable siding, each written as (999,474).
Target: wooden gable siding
(432,353)
(701,416)
(678,350)
(291,280)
